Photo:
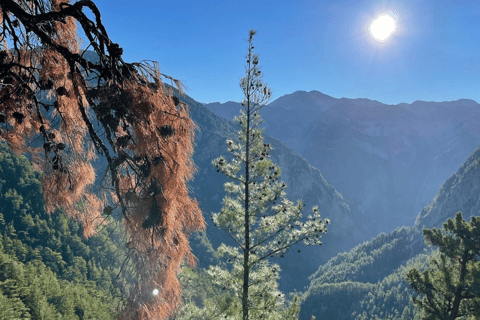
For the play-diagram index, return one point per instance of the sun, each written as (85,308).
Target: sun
(382,27)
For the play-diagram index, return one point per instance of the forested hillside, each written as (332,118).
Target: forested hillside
(372,275)
(47,270)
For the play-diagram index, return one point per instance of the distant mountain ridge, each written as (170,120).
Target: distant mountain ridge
(387,160)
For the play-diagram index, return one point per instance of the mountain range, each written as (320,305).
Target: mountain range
(386,160)
(373,170)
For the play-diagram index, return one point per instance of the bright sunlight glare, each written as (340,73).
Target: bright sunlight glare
(155,292)
(382,27)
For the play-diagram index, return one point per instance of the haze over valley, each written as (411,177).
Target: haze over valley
(387,161)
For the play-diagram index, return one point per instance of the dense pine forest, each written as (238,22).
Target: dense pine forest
(47,269)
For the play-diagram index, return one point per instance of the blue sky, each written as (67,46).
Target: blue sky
(434,55)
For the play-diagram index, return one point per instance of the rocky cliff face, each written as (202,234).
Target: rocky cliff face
(387,160)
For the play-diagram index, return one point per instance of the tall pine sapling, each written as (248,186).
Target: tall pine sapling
(256,215)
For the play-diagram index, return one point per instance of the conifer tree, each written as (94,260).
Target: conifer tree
(256,215)
(64,110)
(450,289)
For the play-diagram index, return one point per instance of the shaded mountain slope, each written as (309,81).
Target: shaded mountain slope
(381,261)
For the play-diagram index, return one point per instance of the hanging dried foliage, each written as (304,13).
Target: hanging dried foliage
(65,110)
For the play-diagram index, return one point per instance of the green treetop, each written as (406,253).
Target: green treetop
(450,289)
(256,215)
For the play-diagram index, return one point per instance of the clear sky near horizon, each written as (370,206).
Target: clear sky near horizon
(433,55)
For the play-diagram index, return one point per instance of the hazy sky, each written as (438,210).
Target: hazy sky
(434,54)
